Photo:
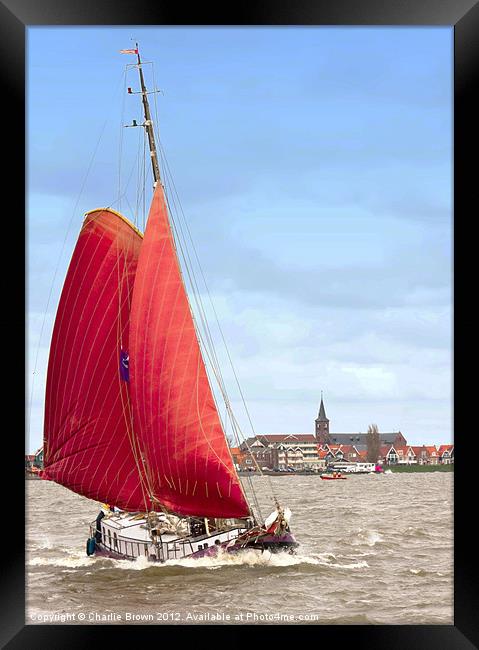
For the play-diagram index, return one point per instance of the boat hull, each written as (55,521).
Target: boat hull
(285,544)
(334,478)
(126,538)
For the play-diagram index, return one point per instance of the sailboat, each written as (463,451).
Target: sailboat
(131,420)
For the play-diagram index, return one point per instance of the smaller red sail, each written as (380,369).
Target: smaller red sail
(187,459)
(88,442)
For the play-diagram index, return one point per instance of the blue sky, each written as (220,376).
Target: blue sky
(314,171)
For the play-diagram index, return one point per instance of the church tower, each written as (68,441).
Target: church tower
(322,425)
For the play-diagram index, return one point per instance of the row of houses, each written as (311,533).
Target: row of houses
(317,451)
(302,452)
(306,451)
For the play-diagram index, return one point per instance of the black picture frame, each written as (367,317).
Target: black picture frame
(15,17)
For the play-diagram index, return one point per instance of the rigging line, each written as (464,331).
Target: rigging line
(146,175)
(138,158)
(215,367)
(205,437)
(206,346)
(125,403)
(82,187)
(120,148)
(202,311)
(197,296)
(193,283)
(212,304)
(248,477)
(129,205)
(142,183)
(195,289)
(157,122)
(208,349)
(203,315)
(203,346)
(235,426)
(187,257)
(133,167)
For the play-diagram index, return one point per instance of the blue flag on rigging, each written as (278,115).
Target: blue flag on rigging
(124,365)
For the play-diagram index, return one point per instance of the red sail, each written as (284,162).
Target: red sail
(187,459)
(88,444)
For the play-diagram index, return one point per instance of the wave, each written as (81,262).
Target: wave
(425,572)
(246,558)
(369,537)
(71,562)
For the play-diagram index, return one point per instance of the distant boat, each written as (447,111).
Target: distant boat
(130,417)
(327,477)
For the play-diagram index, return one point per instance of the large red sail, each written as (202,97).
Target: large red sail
(88,442)
(187,459)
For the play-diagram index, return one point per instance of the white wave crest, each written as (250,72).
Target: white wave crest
(369,537)
(72,561)
(245,558)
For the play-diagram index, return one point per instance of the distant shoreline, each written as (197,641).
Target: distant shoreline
(400,469)
(422,468)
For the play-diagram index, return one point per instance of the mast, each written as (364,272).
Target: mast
(148,124)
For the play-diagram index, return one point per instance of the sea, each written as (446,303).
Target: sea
(374,549)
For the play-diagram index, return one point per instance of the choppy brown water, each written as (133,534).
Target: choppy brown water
(374,549)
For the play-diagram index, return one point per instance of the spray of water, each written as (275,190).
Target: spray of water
(245,558)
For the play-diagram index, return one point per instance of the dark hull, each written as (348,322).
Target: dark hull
(273,544)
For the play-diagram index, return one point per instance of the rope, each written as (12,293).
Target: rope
(120,145)
(209,346)
(204,336)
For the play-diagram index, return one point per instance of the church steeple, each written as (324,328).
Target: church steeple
(322,424)
(322,412)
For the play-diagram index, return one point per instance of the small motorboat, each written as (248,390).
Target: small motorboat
(333,477)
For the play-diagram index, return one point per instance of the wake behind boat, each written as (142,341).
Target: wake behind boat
(130,417)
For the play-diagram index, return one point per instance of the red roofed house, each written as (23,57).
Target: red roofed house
(406,455)
(322,455)
(446,454)
(280,450)
(238,456)
(388,455)
(348,453)
(433,454)
(296,450)
(426,454)
(256,452)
